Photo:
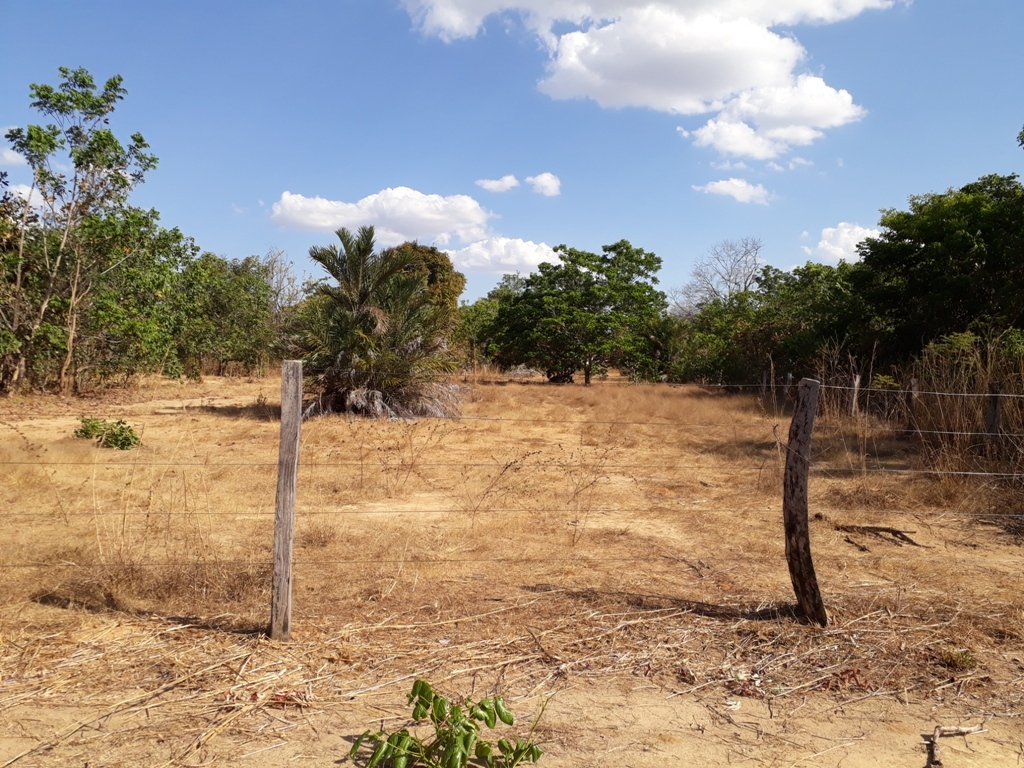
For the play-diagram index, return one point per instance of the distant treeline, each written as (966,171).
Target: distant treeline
(95,291)
(947,274)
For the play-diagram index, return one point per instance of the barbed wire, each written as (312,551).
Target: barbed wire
(403,465)
(412,465)
(470,511)
(1018,476)
(918,392)
(773,388)
(909,430)
(504,561)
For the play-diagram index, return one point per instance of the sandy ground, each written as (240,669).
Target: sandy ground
(613,556)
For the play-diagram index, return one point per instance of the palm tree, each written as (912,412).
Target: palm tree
(374,342)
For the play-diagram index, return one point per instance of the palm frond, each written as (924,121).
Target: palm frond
(375,343)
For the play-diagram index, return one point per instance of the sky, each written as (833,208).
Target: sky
(497,130)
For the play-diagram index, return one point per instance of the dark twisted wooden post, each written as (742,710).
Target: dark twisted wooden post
(794,505)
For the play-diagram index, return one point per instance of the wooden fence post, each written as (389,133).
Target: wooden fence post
(794,504)
(993,411)
(284,515)
(855,395)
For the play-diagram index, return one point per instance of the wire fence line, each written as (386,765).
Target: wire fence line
(776,386)
(708,561)
(269,515)
(725,468)
(770,439)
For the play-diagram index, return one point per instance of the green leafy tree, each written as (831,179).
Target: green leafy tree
(444,283)
(375,338)
(128,325)
(223,313)
(81,175)
(472,336)
(786,320)
(475,336)
(949,263)
(582,313)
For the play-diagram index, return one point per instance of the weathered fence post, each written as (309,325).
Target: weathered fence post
(993,413)
(764,385)
(794,504)
(855,395)
(284,515)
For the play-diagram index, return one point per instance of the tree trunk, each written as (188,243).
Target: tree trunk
(12,370)
(66,380)
(586,374)
(66,377)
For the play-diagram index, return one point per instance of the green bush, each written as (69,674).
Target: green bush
(118,434)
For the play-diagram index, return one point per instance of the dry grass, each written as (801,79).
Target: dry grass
(552,538)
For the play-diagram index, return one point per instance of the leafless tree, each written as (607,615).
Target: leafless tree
(730,267)
(284,287)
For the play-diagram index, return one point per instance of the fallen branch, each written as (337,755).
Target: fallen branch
(859,546)
(884,532)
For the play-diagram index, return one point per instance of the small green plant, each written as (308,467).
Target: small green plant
(456,739)
(118,434)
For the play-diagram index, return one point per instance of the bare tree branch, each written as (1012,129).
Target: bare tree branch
(730,267)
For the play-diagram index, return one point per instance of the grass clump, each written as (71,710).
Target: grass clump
(118,434)
(957,659)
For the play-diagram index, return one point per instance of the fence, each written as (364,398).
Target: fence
(590,474)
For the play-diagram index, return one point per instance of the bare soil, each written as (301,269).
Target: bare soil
(613,554)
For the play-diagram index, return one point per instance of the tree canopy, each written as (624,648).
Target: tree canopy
(581,313)
(952,261)
(71,231)
(93,288)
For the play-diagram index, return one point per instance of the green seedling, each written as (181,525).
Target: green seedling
(456,739)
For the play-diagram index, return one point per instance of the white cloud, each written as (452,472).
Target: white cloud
(737,139)
(504,184)
(546,184)
(398,214)
(502,254)
(10,157)
(663,59)
(453,19)
(792,164)
(25,192)
(739,189)
(722,58)
(839,243)
(730,165)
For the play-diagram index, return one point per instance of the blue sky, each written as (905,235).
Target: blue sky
(497,129)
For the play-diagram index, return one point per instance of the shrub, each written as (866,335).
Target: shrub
(118,434)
